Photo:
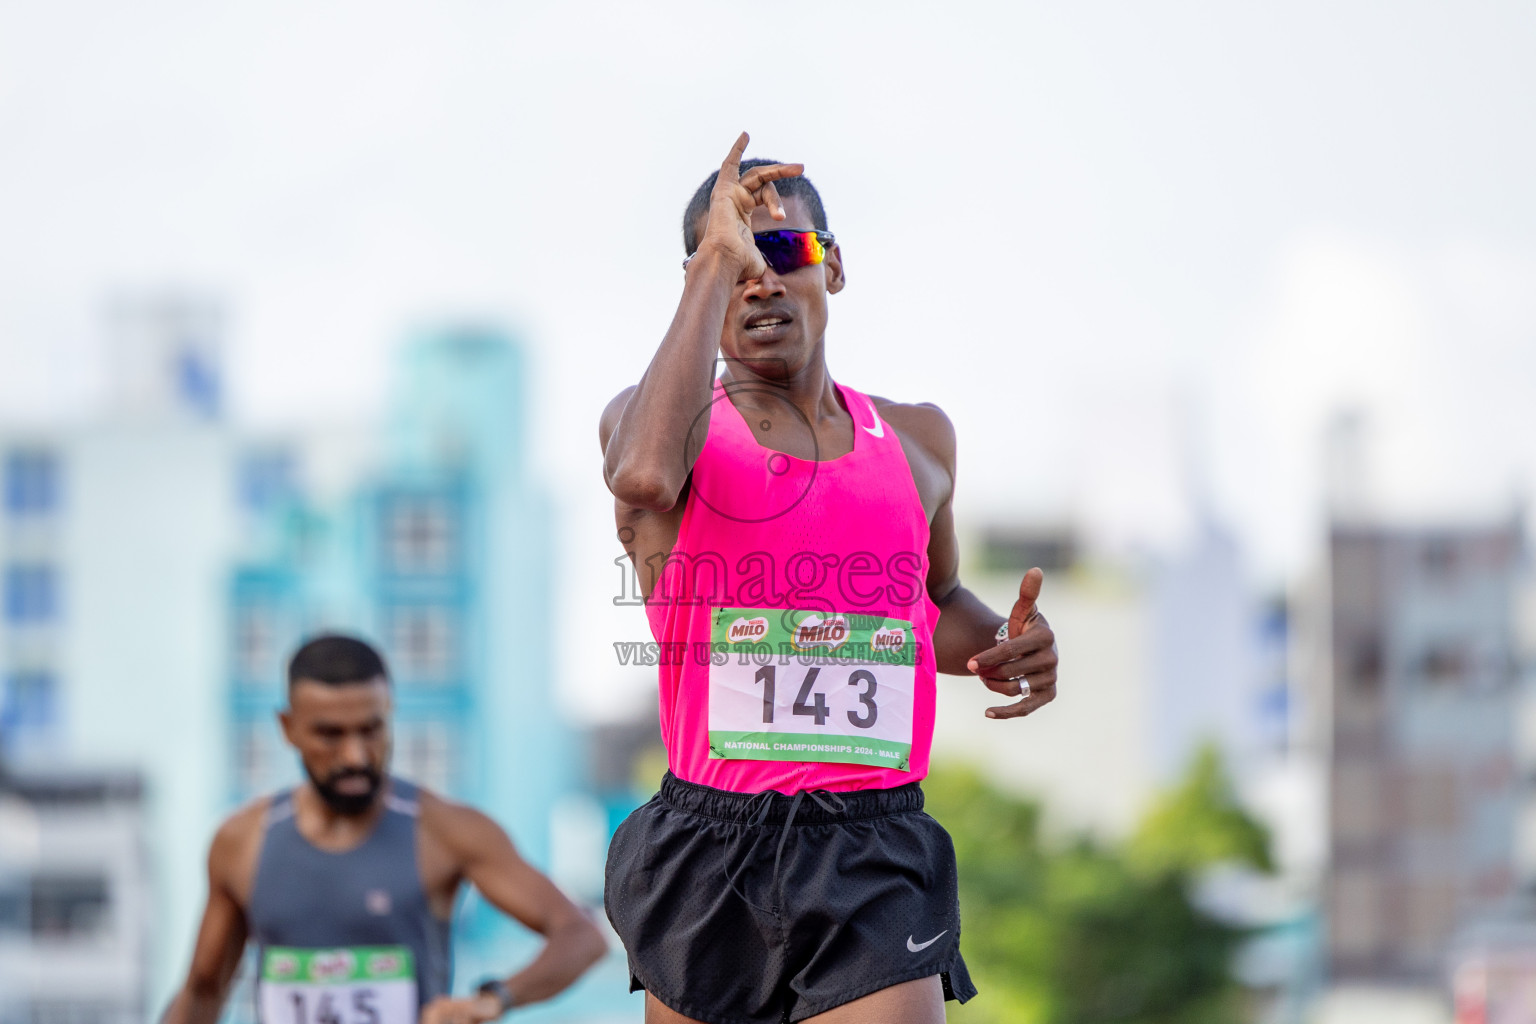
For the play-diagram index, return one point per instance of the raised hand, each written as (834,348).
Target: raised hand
(1025,663)
(729,228)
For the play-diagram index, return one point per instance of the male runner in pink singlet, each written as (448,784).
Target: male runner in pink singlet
(795,543)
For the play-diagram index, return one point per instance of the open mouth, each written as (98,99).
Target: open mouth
(766,324)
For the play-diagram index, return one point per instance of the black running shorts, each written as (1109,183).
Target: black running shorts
(761,908)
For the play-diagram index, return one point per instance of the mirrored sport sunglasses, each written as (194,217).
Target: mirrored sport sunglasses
(790,250)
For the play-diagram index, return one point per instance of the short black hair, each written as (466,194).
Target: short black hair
(800,188)
(336,659)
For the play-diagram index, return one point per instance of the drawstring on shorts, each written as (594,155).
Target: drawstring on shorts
(762,804)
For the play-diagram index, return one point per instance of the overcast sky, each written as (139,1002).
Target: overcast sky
(1127,246)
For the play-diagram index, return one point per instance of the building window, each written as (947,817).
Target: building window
(31,483)
(13,908)
(1445,665)
(1365,664)
(426,755)
(422,640)
(31,594)
(68,906)
(1441,557)
(267,478)
(27,701)
(255,644)
(197,377)
(419,535)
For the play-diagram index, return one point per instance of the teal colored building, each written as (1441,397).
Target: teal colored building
(440,553)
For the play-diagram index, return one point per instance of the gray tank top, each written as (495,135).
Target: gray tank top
(369,898)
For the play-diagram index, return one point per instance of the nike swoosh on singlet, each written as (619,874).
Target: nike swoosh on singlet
(918,947)
(878,430)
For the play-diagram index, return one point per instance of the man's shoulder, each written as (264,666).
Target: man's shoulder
(237,845)
(245,823)
(455,824)
(923,422)
(926,412)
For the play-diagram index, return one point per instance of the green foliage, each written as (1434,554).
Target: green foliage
(1084,933)
(1199,823)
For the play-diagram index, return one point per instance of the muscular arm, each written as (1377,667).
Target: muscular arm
(965,637)
(647,454)
(644,532)
(488,859)
(965,625)
(221,936)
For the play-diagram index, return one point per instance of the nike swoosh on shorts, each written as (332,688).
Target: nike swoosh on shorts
(878,430)
(918,947)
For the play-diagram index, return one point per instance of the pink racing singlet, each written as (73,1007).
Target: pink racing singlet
(793,618)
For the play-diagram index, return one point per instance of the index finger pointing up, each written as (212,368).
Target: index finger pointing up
(1024,607)
(730,168)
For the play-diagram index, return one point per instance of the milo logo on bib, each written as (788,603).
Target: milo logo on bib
(388,963)
(805,685)
(745,630)
(281,965)
(815,631)
(332,965)
(340,985)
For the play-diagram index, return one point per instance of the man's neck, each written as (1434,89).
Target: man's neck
(329,829)
(810,389)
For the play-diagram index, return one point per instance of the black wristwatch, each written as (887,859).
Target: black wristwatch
(498,988)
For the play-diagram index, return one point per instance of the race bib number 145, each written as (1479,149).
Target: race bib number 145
(788,685)
(347,985)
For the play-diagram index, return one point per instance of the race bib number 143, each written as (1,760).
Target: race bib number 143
(788,685)
(347,985)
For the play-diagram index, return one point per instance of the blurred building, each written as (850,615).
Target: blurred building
(1102,618)
(29,644)
(440,552)
(156,566)
(1424,788)
(74,899)
(114,537)
(1159,657)
(1209,636)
